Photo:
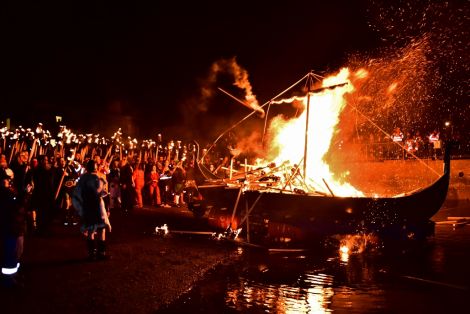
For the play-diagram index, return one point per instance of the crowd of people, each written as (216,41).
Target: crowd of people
(41,182)
(84,189)
(403,146)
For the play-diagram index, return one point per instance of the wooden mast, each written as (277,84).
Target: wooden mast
(309,78)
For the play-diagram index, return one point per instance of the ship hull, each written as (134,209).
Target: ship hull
(311,215)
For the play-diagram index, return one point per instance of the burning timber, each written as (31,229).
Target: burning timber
(282,200)
(267,210)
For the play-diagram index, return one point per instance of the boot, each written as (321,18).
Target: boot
(101,254)
(91,249)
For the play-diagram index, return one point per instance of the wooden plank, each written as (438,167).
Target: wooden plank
(458,218)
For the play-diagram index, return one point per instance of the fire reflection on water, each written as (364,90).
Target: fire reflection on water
(312,291)
(317,298)
(430,278)
(355,244)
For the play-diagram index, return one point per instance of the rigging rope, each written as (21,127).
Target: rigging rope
(250,114)
(309,76)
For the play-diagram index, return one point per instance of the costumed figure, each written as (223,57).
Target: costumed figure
(152,182)
(87,199)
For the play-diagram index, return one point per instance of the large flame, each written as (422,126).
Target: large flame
(288,136)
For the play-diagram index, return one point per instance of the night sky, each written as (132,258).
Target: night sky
(95,63)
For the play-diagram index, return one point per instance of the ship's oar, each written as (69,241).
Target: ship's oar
(164,230)
(328,187)
(446,222)
(192,232)
(458,218)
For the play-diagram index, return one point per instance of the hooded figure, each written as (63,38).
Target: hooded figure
(89,203)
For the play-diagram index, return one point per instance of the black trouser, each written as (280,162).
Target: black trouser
(127,195)
(165,191)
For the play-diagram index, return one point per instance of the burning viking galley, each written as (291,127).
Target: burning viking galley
(288,180)
(294,158)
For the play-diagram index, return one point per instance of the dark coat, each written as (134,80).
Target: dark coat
(43,193)
(12,214)
(90,199)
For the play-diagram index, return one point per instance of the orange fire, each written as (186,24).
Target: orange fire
(288,136)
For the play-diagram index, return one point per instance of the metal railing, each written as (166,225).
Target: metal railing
(392,151)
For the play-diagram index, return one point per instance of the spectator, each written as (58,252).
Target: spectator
(12,228)
(139,183)
(43,194)
(177,179)
(435,144)
(154,190)
(397,138)
(88,200)
(114,189)
(127,185)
